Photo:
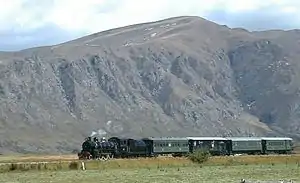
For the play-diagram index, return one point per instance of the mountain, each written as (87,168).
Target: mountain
(183,76)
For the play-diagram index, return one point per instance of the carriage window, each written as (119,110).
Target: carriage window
(276,143)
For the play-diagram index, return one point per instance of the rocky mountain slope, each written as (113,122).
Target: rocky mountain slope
(183,76)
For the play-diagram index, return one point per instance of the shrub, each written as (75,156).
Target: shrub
(73,165)
(199,156)
(13,167)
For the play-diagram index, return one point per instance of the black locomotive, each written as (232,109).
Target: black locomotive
(95,149)
(114,147)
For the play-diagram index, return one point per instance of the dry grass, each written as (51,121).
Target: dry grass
(55,163)
(37,158)
(207,174)
(163,169)
(96,165)
(254,160)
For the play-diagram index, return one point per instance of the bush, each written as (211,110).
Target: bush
(73,165)
(13,167)
(199,156)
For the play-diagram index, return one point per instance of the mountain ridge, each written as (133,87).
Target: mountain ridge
(183,76)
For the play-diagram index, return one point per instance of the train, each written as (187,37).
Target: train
(117,147)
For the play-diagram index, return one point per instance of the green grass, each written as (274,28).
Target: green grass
(163,169)
(190,174)
(54,163)
(96,165)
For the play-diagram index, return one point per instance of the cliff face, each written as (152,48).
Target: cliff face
(183,76)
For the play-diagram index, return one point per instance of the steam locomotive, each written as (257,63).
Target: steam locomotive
(116,147)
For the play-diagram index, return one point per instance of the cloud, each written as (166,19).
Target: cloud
(48,34)
(27,23)
(277,16)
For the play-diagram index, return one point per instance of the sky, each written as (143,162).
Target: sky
(31,23)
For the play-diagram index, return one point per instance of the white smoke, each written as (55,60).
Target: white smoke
(112,127)
(93,133)
(100,132)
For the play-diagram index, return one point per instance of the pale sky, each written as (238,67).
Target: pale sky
(29,23)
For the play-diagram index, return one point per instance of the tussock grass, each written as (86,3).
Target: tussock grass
(36,158)
(150,163)
(96,165)
(162,169)
(254,160)
(206,174)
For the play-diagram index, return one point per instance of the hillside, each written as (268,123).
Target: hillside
(183,76)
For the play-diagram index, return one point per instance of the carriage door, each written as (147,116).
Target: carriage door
(222,147)
(264,146)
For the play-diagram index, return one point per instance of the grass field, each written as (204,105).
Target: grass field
(209,174)
(216,169)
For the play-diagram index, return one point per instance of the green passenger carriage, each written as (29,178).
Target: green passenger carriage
(176,146)
(245,145)
(215,145)
(280,145)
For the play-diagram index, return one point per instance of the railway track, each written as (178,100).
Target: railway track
(61,159)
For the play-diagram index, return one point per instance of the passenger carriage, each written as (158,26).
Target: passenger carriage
(278,145)
(215,145)
(176,146)
(245,145)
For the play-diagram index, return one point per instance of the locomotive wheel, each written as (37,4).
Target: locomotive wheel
(103,158)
